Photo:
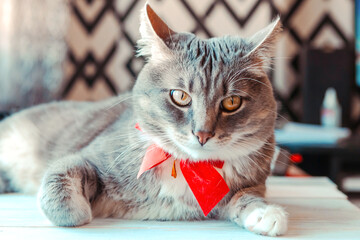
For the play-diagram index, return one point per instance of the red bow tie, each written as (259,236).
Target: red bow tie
(207,185)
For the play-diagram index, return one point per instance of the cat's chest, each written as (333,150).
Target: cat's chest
(171,179)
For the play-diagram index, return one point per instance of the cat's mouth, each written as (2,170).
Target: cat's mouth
(181,147)
(212,150)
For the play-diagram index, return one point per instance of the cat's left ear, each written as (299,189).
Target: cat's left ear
(263,42)
(155,34)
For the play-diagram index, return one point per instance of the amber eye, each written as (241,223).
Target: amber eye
(180,98)
(231,104)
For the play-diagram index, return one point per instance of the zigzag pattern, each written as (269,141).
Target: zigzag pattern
(122,14)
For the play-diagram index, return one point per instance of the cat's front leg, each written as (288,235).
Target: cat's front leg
(66,190)
(249,210)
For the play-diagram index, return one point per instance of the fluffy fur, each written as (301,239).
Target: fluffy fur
(83,158)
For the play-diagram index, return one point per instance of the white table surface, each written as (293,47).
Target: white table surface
(317,210)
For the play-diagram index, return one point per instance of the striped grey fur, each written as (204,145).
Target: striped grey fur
(83,158)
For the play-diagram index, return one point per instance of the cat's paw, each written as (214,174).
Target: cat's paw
(269,221)
(64,206)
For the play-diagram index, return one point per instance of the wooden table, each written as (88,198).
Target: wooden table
(317,211)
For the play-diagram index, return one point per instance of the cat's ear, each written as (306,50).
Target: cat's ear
(263,43)
(154,35)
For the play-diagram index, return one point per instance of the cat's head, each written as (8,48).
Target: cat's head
(205,99)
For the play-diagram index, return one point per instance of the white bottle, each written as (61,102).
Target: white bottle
(331,110)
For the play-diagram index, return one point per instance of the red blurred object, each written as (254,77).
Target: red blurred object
(296,158)
(137,126)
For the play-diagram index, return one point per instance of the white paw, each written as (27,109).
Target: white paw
(269,221)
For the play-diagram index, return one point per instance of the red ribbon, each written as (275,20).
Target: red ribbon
(153,157)
(207,185)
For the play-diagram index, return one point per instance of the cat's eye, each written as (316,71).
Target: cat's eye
(231,104)
(180,98)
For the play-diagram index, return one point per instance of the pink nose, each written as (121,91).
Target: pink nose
(203,136)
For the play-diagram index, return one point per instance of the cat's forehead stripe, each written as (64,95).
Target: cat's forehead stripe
(180,83)
(191,84)
(209,67)
(213,66)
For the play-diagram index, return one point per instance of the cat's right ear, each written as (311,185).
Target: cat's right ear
(263,43)
(154,36)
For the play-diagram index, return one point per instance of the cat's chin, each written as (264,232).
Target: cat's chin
(197,154)
(192,153)
(200,153)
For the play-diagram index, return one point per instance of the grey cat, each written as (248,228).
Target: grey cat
(197,99)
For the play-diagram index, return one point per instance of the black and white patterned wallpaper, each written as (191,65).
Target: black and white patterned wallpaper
(102,36)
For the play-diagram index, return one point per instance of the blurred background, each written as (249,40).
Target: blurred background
(84,50)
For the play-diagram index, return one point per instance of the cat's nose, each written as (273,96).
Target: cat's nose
(203,136)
